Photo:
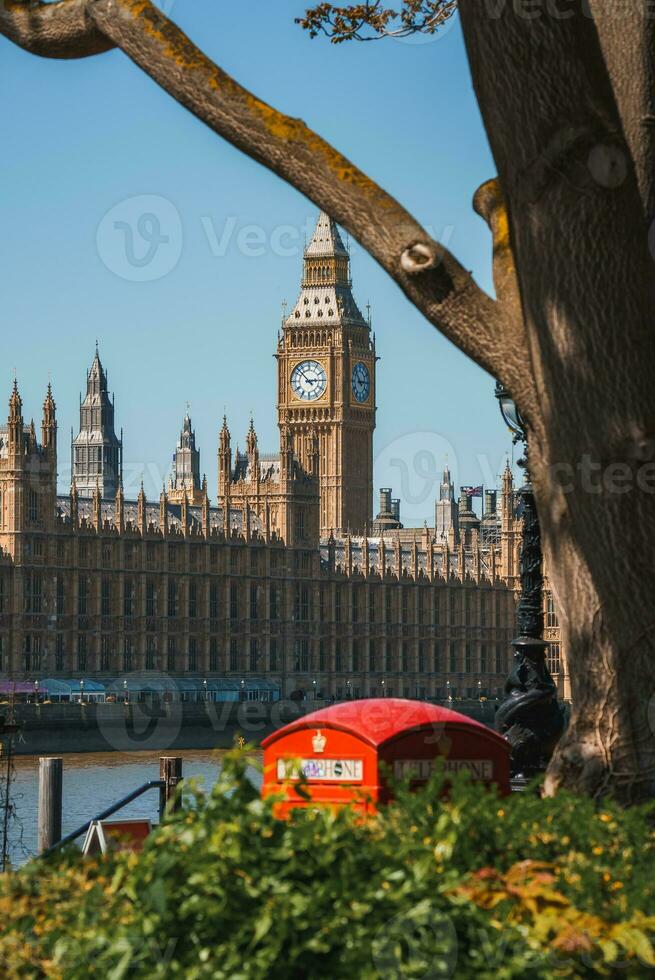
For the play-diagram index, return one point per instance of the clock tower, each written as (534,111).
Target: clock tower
(326,383)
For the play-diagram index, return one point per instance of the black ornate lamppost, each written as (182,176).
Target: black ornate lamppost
(530,716)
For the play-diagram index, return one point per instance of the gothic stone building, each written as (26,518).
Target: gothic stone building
(288,578)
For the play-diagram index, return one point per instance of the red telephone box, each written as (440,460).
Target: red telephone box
(339,751)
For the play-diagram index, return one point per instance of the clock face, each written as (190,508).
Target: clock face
(361,382)
(308,380)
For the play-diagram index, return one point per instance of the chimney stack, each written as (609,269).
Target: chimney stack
(490,498)
(464,501)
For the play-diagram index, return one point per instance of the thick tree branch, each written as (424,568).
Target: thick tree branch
(430,276)
(428,273)
(52,30)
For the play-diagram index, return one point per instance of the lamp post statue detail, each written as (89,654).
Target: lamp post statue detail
(530,716)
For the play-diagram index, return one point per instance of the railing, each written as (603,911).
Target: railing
(50,801)
(135,794)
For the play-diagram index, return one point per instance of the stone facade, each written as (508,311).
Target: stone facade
(288,578)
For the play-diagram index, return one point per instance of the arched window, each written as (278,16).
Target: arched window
(32,506)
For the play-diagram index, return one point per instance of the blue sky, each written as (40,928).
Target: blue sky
(88,143)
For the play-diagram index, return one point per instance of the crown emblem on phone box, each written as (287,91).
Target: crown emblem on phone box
(318,742)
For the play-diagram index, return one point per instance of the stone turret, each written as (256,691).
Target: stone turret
(163,512)
(96,451)
(28,477)
(224,461)
(16,425)
(185,478)
(446,510)
(141,510)
(49,423)
(119,511)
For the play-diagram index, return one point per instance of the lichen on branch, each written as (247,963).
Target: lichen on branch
(436,283)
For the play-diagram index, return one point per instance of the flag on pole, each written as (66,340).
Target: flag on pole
(472,491)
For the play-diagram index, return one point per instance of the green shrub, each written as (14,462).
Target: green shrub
(471,887)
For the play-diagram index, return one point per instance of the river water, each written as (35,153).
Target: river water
(92,782)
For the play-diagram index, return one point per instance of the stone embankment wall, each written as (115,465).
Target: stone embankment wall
(142,727)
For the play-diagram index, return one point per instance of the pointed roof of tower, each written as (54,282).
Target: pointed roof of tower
(187,438)
(15,402)
(326,239)
(49,405)
(326,297)
(96,371)
(507,479)
(224,434)
(251,438)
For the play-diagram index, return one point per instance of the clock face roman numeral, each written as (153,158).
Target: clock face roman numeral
(308,380)
(361,382)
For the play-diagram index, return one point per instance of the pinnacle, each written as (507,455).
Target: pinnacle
(15,402)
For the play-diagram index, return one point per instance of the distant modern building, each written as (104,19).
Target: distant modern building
(288,579)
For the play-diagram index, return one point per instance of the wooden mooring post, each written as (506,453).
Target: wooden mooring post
(51,774)
(170,771)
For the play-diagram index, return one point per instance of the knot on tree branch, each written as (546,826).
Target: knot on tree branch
(418,258)
(640,445)
(52,30)
(489,203)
